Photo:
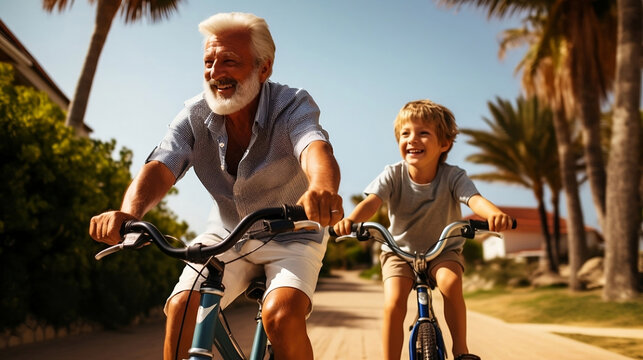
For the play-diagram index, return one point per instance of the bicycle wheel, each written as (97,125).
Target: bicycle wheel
(426,342)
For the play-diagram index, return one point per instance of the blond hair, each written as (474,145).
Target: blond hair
(262,45)
(428,112)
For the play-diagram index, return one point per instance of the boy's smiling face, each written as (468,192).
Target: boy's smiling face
(420,146)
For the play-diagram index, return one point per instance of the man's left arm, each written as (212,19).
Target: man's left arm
(321,201)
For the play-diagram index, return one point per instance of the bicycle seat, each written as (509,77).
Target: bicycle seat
(256,288)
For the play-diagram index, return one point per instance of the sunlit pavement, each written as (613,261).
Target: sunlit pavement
(345,324)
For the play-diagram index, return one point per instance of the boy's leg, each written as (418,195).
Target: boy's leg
(396,294)
(398,280)
(448,276)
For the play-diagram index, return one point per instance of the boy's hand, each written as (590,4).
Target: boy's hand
(343,227)
(499,222)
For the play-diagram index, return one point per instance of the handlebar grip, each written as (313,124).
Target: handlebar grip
(484,225)
(126,227)
(354,229)
(295,212)
(332,232)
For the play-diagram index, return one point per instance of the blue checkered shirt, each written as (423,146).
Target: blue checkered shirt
(269,173)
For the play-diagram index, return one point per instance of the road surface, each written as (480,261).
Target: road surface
(345,324)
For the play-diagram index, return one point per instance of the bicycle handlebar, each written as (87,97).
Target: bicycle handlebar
(286,216)
(468,230)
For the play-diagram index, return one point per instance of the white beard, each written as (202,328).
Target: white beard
(244,93)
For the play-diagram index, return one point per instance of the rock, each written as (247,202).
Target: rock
(591,274)
(549,279)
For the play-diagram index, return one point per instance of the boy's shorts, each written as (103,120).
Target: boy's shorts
(292,264)
(393,266)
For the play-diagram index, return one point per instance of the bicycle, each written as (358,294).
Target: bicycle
(426,341)
(211,326)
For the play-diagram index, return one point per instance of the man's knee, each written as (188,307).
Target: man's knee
(284,310)
(177,304)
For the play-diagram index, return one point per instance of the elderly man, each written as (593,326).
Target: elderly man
(253,144)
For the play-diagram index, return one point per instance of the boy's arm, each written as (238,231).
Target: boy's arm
(362,212)
(484,208)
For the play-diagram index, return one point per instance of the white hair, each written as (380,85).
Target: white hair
(262,45)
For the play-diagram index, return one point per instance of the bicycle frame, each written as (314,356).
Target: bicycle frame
(426,328)
(210,328)
(425,315)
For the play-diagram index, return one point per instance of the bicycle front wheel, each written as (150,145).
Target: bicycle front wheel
(426,345)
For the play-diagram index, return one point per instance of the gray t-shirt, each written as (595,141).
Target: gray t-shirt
(419,212)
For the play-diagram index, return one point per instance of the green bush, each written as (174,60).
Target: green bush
(53,183)
(504,272)
(346,254)
(472,252)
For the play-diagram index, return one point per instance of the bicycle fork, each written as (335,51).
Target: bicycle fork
(209,327)
(426,314)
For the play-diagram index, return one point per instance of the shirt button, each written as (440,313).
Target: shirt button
(221,144)
(222,167)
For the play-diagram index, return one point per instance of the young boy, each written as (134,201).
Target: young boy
(424,195)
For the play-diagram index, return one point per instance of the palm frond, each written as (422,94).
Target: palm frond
(155,10)
(49,5)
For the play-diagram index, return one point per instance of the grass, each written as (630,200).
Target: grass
(629,347)
(556,305)
(560,306)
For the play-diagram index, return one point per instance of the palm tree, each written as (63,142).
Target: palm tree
(548,78)
(623,212)
(569,65)
(106,10)
(585,31)
(519,147)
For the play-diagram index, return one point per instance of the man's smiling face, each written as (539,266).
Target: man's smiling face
(231,77)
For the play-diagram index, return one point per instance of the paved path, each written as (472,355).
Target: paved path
(345,325)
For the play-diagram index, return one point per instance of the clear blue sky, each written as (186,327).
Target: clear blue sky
(361,60)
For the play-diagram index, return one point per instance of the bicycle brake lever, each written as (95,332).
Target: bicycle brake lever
(110,250)
(307,225)
(131,240)
(344,237)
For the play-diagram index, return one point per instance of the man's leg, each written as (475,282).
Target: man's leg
(284,319)
(176,306)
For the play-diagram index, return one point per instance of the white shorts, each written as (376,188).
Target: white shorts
(286,264)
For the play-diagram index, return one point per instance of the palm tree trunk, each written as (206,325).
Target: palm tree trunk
(575,225)
(555,202)
(105,13)
(549,263)
(587,85)
(590,115)
(623,215)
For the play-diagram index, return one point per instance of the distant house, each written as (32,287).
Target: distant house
(28,71)
(526,241)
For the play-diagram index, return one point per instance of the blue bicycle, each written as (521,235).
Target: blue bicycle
(211,326)
(426,341)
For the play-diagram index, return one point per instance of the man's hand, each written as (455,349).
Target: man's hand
(322,206)
(106,226)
